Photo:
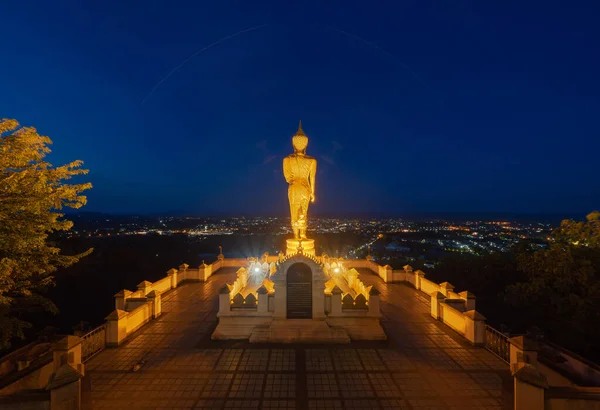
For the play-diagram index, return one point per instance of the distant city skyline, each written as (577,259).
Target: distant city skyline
(409,107)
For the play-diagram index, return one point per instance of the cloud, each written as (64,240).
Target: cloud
(262,145)
(336,146)
(269,159)
(328,159)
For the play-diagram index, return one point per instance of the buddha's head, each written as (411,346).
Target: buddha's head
(300,141)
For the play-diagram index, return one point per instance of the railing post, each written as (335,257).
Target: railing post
(374,302)
(419,274)
(469,299)
(336,301)
(156,300)
(263,299)
(529,383)
(67,350)
(65,381)
(224,301)
(475,327)
(173,274)
(116,327)
(144,287)
(436,299)
(445,288)
(121,298)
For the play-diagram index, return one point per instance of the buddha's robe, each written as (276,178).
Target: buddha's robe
(299,172)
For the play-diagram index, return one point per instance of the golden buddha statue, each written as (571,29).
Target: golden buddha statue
(300,171)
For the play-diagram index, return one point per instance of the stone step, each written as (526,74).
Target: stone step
(299,331)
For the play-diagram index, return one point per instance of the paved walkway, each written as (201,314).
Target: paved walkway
(423,365)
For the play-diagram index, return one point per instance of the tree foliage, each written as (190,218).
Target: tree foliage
(555,289)
(32,194)
(561,289)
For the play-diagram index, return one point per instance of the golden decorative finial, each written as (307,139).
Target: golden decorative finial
(300,131)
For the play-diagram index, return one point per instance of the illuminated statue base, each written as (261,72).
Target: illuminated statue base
(308,246)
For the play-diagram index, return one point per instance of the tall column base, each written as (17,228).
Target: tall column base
(308,246)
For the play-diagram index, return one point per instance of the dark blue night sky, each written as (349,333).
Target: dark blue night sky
(410,106)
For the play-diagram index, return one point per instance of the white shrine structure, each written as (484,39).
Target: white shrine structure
(298,298)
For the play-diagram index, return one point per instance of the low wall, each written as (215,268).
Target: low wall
(139,317)
(453,318)
(572,398)
(428,286)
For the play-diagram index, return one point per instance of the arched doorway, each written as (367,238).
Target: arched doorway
(299,291)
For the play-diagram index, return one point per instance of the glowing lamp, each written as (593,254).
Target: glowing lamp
(336,270)
(256,270)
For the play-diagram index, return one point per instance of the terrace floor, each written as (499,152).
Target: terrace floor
(423,365)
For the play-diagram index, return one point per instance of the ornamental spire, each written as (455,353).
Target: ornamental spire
(300,131)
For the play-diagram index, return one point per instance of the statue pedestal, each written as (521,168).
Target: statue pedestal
(308,246)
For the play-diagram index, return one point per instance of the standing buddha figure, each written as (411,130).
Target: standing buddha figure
(300,171)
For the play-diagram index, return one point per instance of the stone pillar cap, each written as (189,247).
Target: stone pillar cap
(407,267)
(153,294)
(529,374)
(437,294)
(172,271)
(116,315)
(465,294)
(124,292)
(473,314)
(144,284)
(67,342)
(419,272)
(446,285)
(66,374)
(374,291)
(183,266)
(524,343)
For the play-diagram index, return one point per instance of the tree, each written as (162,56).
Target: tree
(561,289)
(32,194)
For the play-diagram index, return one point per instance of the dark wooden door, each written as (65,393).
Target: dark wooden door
(299,292)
